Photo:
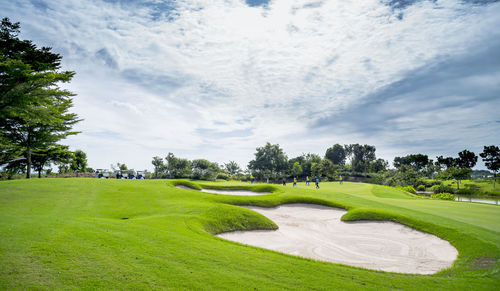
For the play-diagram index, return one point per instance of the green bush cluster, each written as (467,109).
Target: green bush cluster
(421,188)
(442,189)
(223,176)
(443,196)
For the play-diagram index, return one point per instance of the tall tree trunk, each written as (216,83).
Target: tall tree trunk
(28,157)
(39,174)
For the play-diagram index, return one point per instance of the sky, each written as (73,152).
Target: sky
(217,79)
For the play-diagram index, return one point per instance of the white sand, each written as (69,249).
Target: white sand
(316,232)
(226,192)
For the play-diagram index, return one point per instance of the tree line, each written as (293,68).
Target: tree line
(351,160)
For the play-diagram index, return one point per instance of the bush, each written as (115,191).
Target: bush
(223,176)
(442,189)
(443,196)
(430,183)
(421,187)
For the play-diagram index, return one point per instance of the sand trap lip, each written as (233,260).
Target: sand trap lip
(317,232)
(226,192)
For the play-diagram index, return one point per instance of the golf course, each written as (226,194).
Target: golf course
(84,233)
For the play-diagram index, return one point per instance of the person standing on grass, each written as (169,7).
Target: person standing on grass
(317,183)
(341,182)
(251,179)
(307,181)
(294,181)
(284,181)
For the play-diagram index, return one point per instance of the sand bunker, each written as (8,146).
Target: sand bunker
(226,192)
(316,232)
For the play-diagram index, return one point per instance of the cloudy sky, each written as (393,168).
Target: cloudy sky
(217,78)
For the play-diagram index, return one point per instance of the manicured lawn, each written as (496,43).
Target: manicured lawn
(485,186)
(146,234)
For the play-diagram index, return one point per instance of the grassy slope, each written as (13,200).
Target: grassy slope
(71,233)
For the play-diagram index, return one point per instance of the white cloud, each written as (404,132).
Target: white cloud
(147,86)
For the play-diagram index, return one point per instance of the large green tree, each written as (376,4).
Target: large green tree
(232,168)
(491,159)
(34,110)
(270,158)
(336,154)
(158,164)
(417,161)
(362,155)
(53,154)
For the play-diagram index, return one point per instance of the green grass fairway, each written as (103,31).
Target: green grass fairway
(145,234)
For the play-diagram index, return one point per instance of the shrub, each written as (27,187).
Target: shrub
(430,183)
(421,187)
(223,176)
(443,196)
(442,189)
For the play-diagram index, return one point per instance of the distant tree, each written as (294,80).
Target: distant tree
(466,160)
(296,169)
(158,165)
(417,161)
(79,161)
(447,162)
(309,160)
(325,168)
(405,176)
(491,159)
(232,168)
(336,154)
(271,158)
(362,155)
(178,167)
(33,109)
(379,165)
(300,159)
(52,154)
(204,169)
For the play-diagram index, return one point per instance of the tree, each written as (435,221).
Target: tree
(491,159)
(336,154)
(178,167)
(309,160)
(466,160)
(204,169)
(362,155)
(52,154)
(79,161)
(325,168)
(379,165)
(158,164)
(447,162)
(417,161)
(296,169)
(33,109)
(269,158)
(232,168)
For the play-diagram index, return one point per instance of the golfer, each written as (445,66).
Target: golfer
(307,181)
(294,181)
(251,179)
(317,183)
(340,178)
